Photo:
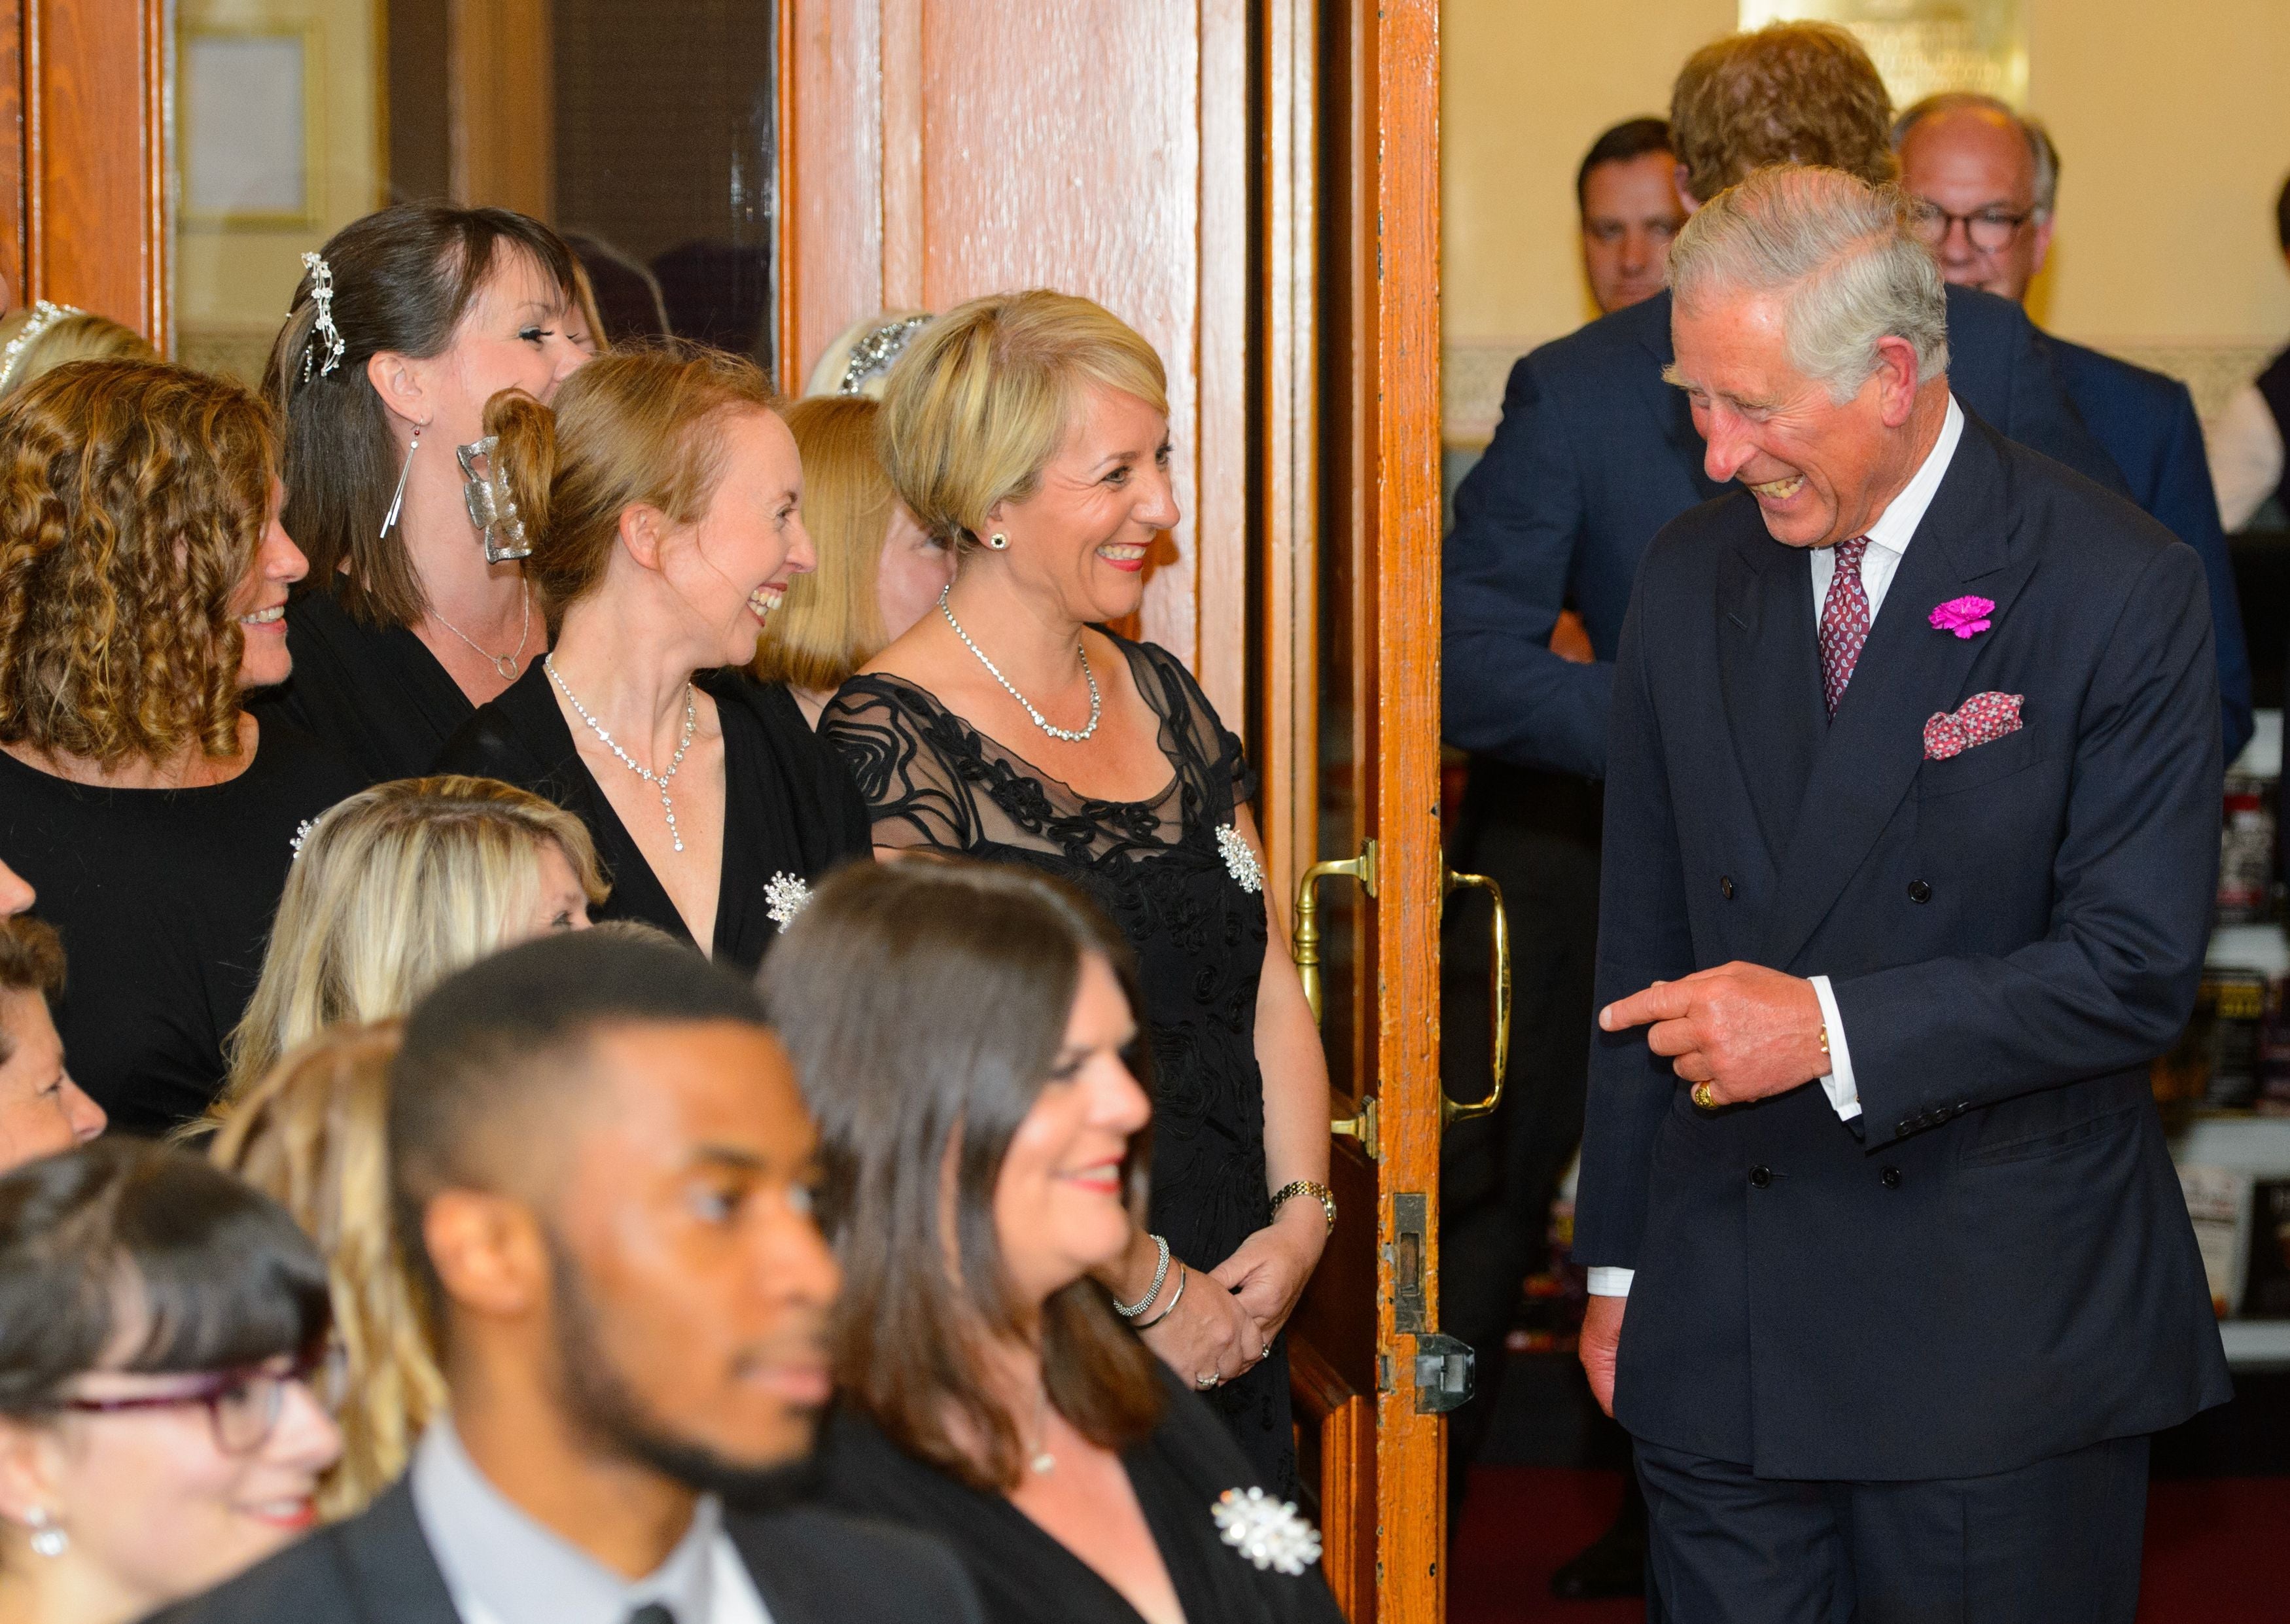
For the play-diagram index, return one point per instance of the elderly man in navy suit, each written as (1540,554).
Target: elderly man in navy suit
(1594,454)
(1911,832)
(1986,181)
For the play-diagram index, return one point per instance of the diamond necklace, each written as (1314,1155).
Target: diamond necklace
(658,780)
(506,664)
(1096,701)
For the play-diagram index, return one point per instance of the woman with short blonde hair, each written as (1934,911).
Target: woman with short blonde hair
(395,889)
(878,570)
(313,1135)
(1031,432)
(143,583)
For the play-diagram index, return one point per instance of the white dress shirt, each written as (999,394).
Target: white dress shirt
(2244,445)
(1888,543)
(503,1567)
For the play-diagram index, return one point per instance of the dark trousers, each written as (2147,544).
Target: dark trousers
(2057,1542)
(1536,833)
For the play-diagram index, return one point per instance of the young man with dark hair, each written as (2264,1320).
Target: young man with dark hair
(1626,190)
(42,1110)
(604,1169)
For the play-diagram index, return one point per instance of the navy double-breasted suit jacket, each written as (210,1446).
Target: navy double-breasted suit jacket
(1993,1264)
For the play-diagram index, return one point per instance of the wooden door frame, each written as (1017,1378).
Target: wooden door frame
(83,186)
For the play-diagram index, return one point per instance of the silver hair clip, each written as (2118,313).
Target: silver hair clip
(875,353)
(493,508)
(44,316)
(322,294)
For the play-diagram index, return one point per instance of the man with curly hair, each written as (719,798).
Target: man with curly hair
(1593,455)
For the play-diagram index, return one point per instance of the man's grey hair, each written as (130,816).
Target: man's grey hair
(1841,252)
(2047,157)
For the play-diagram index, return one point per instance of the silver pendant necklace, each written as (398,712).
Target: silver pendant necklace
(1096,701)
(505,664)
(658,780)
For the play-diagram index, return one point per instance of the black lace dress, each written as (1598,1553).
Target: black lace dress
(1158,868)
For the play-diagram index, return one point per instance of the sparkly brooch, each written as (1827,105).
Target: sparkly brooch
(1266,1531)
(301,833)
(785,896)
(1239,858)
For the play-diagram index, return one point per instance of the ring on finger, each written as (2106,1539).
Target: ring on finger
(1704,1098)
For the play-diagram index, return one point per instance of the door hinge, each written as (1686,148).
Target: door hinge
(1446,1373)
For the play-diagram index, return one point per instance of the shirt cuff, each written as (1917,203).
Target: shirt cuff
(1610,1282)
(1844,1093)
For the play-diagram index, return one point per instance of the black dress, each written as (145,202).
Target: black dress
(790,810)
(376,696)
(1026,1577)
(1157,868)
(164,899)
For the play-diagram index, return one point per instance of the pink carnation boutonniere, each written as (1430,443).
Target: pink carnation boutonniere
(1966,617)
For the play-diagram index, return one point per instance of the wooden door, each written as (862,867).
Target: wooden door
(1352,615)
(84,184)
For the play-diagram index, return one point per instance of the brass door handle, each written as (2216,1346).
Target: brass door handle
(1306,951)
(1307,947)
(1453,1111)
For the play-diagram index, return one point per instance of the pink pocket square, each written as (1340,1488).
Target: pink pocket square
(1980,719)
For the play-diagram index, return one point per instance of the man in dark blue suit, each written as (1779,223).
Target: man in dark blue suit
(1594,454)
(1987,182)
(1912,827)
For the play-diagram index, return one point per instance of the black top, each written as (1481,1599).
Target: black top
(163,898)
(809,1566)
(1157,867)
(376,696)
(790,810)
(1024,1576)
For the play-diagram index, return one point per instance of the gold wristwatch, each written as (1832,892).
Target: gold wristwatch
(1320,1192)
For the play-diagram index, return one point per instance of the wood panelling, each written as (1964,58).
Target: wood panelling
(927,163)
(91,167)
(500,90)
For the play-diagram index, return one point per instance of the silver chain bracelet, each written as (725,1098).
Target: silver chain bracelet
(1160,1274)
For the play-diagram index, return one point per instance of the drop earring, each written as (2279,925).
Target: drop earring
(397,498)
(999,541)
(48,1540)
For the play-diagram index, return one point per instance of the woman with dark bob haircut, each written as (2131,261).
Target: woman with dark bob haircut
(159,1326)
(143,581)
(952,1021)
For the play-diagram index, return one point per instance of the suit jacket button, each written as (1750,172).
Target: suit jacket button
(1760,1177)
(1725,886)
(1919,891)
(1890,1177)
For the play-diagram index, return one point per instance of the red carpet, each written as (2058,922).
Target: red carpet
(2218,1548)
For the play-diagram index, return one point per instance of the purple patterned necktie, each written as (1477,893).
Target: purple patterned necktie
(1844,622)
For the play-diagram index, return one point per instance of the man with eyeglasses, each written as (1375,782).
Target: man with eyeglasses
(1984,182)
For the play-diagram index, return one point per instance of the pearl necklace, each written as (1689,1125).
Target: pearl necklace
(658,780)
(1096,701)
(506,664)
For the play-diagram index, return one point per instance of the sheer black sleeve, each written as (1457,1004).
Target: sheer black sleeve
(887,735)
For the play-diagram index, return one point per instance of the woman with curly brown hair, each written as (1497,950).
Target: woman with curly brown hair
(663,498)
(143,579)
(402,328)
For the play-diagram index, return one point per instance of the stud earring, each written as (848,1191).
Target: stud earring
(999,541)
(48,1540)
